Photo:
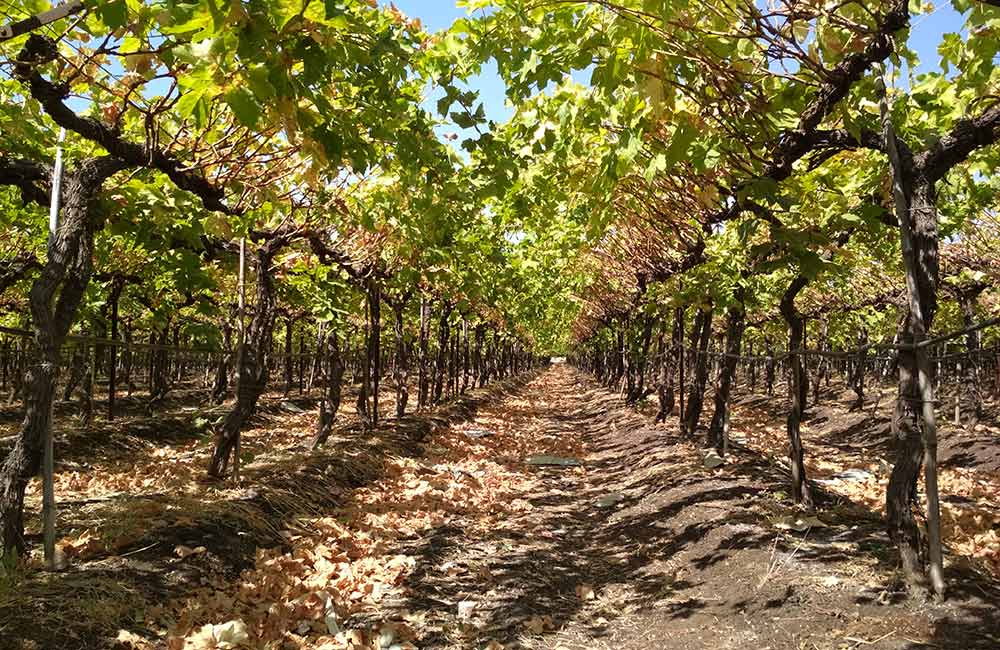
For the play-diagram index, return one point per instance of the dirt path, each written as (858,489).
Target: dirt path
(642,547)
(435,532)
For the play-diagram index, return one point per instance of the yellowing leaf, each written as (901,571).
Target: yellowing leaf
(185,551)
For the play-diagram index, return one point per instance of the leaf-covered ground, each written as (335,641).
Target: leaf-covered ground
(437,532)
(851,455)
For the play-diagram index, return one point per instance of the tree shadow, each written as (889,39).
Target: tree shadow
(674,526)
(139,538)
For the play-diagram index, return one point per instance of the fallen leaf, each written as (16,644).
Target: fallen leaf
(465,609)
(798,524)
(537,624)
(224,636)
(186,551)
(129,641)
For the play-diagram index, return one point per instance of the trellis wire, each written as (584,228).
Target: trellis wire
(855,352)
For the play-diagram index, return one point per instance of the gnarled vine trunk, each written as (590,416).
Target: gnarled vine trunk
(971,369)
(769,366)
(669,365)
(735,324)
(441,365)
(637,390)
(857,374)
(823,363)
(423,372)
(289,365)
(696,396)
(479,378)
(797,390)
(375,346)
(914,422)
(159,368)
(466,356)
(221,384)
(401,367)
(54,301)
(330,404)
(253,371)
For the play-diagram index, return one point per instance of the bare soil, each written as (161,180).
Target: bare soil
(689,558)
(641,546)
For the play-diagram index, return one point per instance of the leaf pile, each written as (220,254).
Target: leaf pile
(329,589)
(970,501)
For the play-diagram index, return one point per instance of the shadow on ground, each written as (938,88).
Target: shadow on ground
(133,564)
(676,555)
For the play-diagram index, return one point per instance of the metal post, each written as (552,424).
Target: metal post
(958,393)
(21,27)
(113,361)
(241,339)
(48,462)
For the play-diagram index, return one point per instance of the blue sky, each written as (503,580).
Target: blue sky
(440,14)
(925,34)
(926,31)
(435,14)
